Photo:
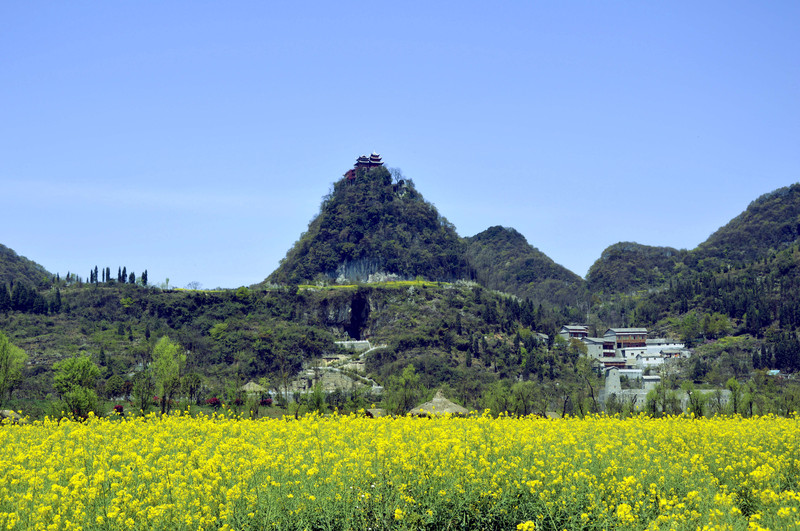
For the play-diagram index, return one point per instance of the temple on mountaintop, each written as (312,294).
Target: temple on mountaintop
(364,162)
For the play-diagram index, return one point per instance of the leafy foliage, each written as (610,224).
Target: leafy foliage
(74,381)
(12,359)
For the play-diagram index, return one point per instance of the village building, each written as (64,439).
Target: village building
(574,332)
(594,347)
(649,359)
(620,338)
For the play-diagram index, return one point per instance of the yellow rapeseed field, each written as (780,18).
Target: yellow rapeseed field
(351,472)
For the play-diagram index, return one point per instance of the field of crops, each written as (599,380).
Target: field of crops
(350,472)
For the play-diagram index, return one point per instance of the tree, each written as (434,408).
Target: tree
(735,399)
(56,306)
(404,391)
(142,390)
(524,395)
(5,299)
(12,359)
(697,399)
(690,329)
(74,381)
(114,386)
(497,396)
(132,278)
(192,384)
(168,361)
(316,398)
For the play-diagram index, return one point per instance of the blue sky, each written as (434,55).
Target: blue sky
(196,139)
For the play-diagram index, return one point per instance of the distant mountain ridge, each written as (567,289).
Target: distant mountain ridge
(373,224)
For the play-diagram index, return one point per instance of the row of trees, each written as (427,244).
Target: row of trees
(123,276)
(755,397)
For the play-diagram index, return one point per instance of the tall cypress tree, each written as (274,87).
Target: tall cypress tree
(124,277)
(5,299)
(56,306)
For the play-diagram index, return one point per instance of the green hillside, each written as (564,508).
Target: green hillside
(370,225)
(462,336)
(502,259)
(769,224)
(15,268)
(629,266)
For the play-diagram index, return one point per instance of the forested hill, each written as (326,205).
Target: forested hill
(502,259)
(769,224)
(374,224)
(15,268)
(629,266)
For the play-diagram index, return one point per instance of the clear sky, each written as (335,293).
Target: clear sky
(196,139)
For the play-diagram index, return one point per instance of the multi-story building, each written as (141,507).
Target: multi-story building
(574,331)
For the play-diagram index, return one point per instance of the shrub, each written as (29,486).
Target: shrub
(214,402)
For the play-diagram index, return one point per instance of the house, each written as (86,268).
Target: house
(649,359)
(574,331)
(626,337)
(594,347)
(622,345)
